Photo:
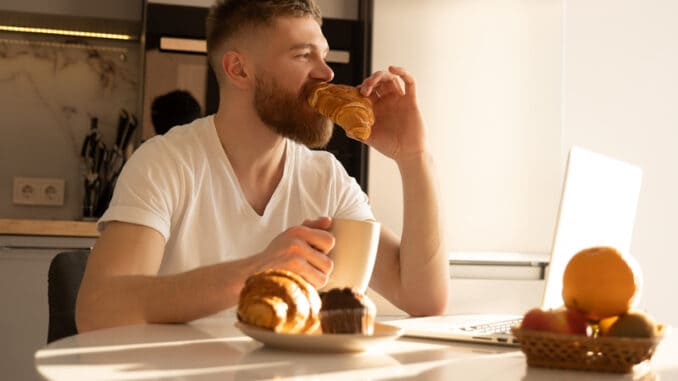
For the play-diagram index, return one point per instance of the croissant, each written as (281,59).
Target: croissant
(345,106)
(281,301)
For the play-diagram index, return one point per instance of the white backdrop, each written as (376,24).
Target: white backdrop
(620,97)
(508,87)
(488,75)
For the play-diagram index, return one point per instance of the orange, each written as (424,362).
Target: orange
(599,282)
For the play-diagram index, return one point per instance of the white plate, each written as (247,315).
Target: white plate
(322,342)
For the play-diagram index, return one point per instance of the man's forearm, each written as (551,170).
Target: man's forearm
(179,298)
(423,263)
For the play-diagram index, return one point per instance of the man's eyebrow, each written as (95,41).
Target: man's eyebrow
(306,45)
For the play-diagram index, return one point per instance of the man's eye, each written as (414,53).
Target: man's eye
(304,55)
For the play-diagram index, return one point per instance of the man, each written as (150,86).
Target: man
(198,210)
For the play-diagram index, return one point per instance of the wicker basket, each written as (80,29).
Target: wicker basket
(603,354)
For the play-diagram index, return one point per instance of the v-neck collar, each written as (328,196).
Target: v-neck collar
(288,160)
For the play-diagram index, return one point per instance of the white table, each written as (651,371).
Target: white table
(215,350)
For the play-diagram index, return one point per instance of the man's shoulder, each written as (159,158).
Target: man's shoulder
(180,139)
(179,147)
(306,156)
(199,129)
(316,165)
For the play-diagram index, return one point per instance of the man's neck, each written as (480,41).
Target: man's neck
(247,140)
(256,153)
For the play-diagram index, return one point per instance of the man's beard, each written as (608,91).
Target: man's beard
(290,115)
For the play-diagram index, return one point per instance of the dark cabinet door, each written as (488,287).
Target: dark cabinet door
(348,38)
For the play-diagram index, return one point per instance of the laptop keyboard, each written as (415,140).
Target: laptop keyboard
(493,327)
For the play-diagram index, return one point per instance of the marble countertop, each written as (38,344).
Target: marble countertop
(48,228)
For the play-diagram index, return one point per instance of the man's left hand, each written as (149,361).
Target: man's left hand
(398,130)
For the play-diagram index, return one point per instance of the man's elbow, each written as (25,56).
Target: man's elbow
(91,310)
(434,304)
(429,308)
(84,323)
(85,316)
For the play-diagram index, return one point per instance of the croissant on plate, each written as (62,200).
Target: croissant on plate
(345,106)
(281,301)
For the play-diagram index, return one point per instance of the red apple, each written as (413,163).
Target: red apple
(536,319)
(569,321)
(557,321)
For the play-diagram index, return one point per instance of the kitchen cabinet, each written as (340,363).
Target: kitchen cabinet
(337,9)
(24,263)
(120,9)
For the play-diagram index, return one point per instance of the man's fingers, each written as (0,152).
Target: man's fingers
(320,261)
(315,233)
(369,84)
(315,277)
(314,265)
(318,239)
(322,223)
(382,83)
(308,270)
(406,77)
(397,84)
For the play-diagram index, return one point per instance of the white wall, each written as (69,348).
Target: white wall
(488,75)
(620,97)
(508,87)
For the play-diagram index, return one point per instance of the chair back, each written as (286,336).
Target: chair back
(65,274)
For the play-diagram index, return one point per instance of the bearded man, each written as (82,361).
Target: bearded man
(199,209)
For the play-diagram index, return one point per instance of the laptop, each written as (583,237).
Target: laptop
(598,206)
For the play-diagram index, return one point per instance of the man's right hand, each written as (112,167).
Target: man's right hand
(302,249)
(121,285)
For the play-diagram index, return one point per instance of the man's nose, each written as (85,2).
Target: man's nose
(323,72)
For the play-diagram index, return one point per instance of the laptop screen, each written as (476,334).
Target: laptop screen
(597,208)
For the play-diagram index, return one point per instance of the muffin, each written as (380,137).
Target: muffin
(344,310)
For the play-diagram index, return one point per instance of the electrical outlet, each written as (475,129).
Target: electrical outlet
(38,191)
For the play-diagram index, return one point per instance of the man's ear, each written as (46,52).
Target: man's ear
(235,70)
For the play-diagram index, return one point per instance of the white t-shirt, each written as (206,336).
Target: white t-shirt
(182,185)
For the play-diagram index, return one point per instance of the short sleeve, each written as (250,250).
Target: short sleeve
(352,202)
(147,189)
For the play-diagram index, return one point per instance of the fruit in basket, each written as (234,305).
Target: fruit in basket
(632,324)
(605,324)
(559,320)
(600,283)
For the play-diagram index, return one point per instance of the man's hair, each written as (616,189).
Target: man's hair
(172,109)
(227,18)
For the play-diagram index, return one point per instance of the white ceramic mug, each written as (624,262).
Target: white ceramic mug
(354,253)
